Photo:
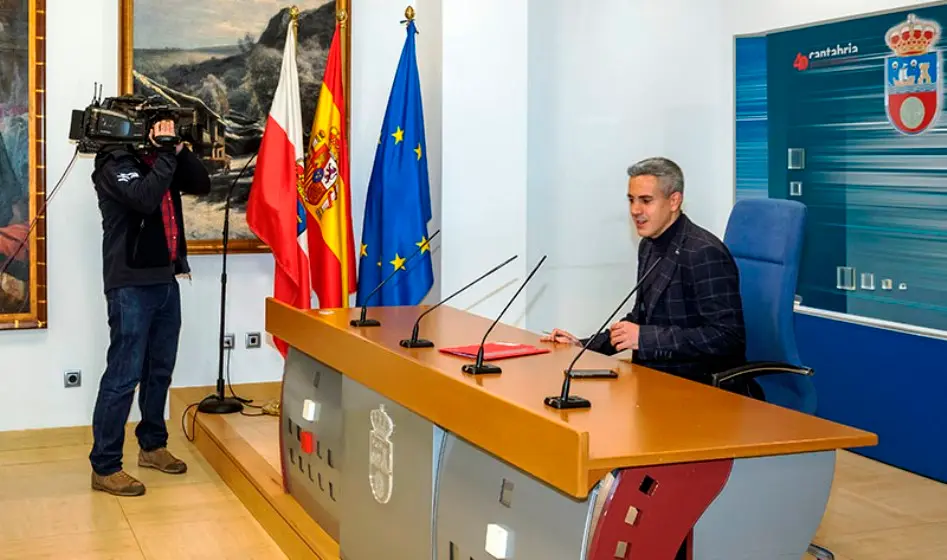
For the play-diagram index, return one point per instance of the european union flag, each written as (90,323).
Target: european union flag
(398,206)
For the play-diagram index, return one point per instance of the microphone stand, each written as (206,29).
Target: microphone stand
(362,320)
(218,403)
(478,367)
(566,401)
(414,341)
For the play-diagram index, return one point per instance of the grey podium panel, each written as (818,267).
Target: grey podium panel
(770,508)
(477,490)
(388,481)
(314,479)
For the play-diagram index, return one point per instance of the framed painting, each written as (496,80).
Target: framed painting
(223,58)
(22,164)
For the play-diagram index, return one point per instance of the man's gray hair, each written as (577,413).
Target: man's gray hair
(669,174)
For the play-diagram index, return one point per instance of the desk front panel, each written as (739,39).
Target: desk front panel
(313,468)
(388,482)
(401,483)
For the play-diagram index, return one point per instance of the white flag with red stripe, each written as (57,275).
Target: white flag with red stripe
(274,210)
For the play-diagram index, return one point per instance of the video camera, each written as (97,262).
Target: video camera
(128,120)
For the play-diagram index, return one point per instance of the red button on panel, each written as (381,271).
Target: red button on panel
(307,442)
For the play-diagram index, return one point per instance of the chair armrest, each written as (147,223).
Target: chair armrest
(753,370)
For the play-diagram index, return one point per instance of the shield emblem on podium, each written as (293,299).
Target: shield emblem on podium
(381,455)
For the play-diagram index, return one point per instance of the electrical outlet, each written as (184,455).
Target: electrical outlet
(253,340)
(72,378)
(228,341)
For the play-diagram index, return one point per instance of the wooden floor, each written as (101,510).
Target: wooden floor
(48,511)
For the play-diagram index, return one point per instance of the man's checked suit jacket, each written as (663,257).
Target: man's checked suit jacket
(689,309)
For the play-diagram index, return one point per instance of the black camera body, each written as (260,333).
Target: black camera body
(128,120)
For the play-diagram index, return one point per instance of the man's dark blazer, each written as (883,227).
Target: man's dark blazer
(689,309)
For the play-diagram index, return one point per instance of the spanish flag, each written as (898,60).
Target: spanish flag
(325,191)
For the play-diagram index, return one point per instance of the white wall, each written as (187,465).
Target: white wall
(750,17)
(484,138)
(605,90)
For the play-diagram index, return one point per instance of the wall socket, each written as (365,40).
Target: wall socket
(72,378)
(253,340)
(228,341)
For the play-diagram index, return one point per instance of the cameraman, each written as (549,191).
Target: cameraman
(143,250)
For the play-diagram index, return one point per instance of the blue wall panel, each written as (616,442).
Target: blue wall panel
(889,383)
(877,197)
(877,201)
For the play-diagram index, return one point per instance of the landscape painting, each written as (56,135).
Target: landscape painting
(222,57)
(22,164)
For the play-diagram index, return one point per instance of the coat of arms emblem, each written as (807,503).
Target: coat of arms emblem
(912,75)
(381,455)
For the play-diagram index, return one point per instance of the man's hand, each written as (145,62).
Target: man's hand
(561,337)
(624,335)
(164,128)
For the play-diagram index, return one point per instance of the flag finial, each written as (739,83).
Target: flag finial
(294,20)
(409,13)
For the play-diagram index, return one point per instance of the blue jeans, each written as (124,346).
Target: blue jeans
(144,323)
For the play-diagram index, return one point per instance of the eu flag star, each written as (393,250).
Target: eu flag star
(424,244)
(418,151)
(364,250)
(398,134)
(398,262)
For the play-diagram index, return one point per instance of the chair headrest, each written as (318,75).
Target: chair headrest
(766,229)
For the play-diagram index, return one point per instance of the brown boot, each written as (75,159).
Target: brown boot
(118,484)
(161,459)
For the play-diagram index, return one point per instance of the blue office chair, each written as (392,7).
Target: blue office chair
(765,237)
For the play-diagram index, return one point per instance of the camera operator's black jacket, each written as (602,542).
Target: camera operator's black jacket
(134,247)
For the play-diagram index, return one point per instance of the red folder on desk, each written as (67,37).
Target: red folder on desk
(495,350)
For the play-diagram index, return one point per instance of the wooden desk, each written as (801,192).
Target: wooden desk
(642,419)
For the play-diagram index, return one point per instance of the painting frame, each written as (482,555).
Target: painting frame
(126,39)
(36,316)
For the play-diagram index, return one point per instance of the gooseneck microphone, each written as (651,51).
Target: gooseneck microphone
(362,321)
(564,399)
(479,367)
(414,341)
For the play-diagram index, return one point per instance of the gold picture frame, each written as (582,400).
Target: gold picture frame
(174,71)
(23,164)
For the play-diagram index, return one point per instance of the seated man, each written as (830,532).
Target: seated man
(688,315)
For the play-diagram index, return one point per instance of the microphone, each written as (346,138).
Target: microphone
(565,400)
(414,342)
(480,367)
(362,321)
